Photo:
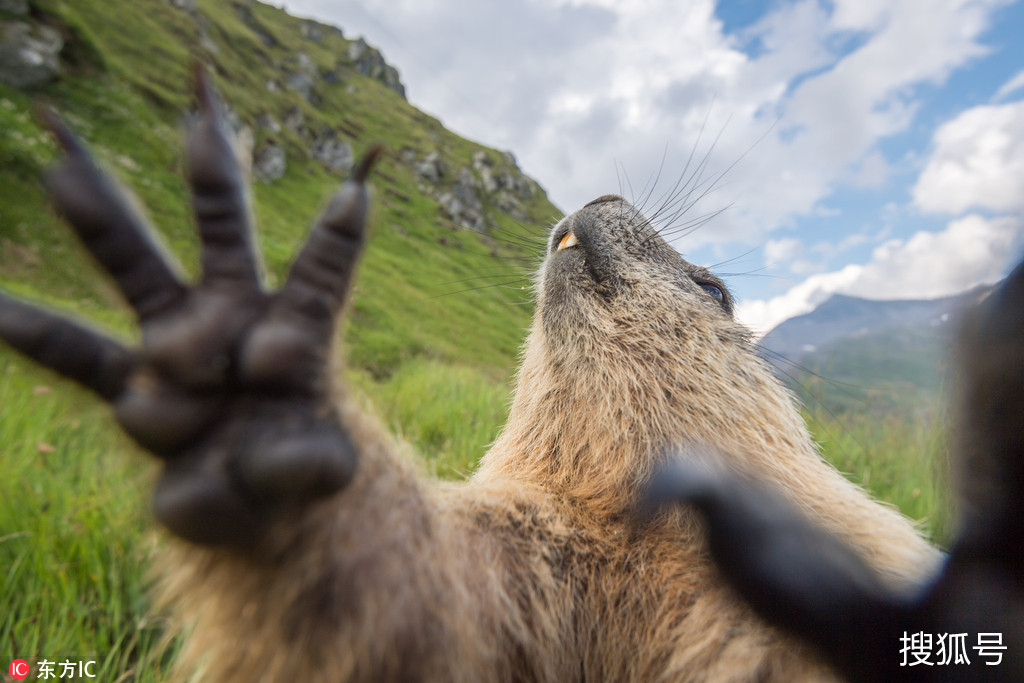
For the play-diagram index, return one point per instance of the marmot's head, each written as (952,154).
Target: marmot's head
(608,272)
(634,353)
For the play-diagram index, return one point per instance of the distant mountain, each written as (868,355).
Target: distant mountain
(860,354)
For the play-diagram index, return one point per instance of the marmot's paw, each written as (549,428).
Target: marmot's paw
(989,470)
(230,386)
(804,580)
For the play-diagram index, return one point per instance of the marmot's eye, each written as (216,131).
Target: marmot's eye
(713,290)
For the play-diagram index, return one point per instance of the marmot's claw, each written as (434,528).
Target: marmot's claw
(112,230)
(230,386)
(299,461)
(94,360)
(206,507)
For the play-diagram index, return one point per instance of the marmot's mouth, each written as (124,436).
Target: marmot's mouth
(569,240)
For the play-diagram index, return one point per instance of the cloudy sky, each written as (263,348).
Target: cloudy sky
(867,147)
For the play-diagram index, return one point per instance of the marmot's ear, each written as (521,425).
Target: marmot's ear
(794,574)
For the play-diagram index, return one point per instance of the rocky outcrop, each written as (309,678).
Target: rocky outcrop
(501,185)
(370,62)
(295,121)
(269,123)
(188,6)
(29,54)
(462,203)
(333,152)
(314,31)
(270,163)
(495,180)
(431,169)
(18,7)
(303,78)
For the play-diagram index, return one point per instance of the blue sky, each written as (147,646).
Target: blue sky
(867,147)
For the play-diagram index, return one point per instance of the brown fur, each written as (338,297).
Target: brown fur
(534,568)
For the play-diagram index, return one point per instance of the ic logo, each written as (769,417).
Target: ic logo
(19,669)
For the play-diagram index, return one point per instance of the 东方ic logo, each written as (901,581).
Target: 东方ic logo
(18,669)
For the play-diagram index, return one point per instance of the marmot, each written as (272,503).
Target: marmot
(313,551)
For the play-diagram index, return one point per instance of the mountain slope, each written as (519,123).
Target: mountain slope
(857,355)
(304,99)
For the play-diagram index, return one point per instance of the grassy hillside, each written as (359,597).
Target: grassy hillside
(74,536)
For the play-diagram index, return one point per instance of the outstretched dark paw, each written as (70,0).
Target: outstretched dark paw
(804,580)
(230,387)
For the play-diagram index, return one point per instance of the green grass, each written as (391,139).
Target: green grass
(74,535)
(450,415)
(902,459)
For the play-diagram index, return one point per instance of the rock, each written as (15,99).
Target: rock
(463,204)
(315,31)
(431,168)
(334,153)
(522,186)
(507,202)
(465,189)
(19,7)
(311,31)
(302,84)
(295,120)
(29,54)
(494,180)
(333,76)
(207,42)
(484,165)
(268,122)
(270,163)
(273,86)
(370,63)
(482,160)
(303,79)
(188,6)
(492,183)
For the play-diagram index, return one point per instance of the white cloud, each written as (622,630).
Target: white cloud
(1010,87)
(762,315)
(580,89)
(871,171)
(852,240)
(971,250)
(978,162)
(789,253)
(787,249)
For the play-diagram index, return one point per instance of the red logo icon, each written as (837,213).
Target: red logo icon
(19,669)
